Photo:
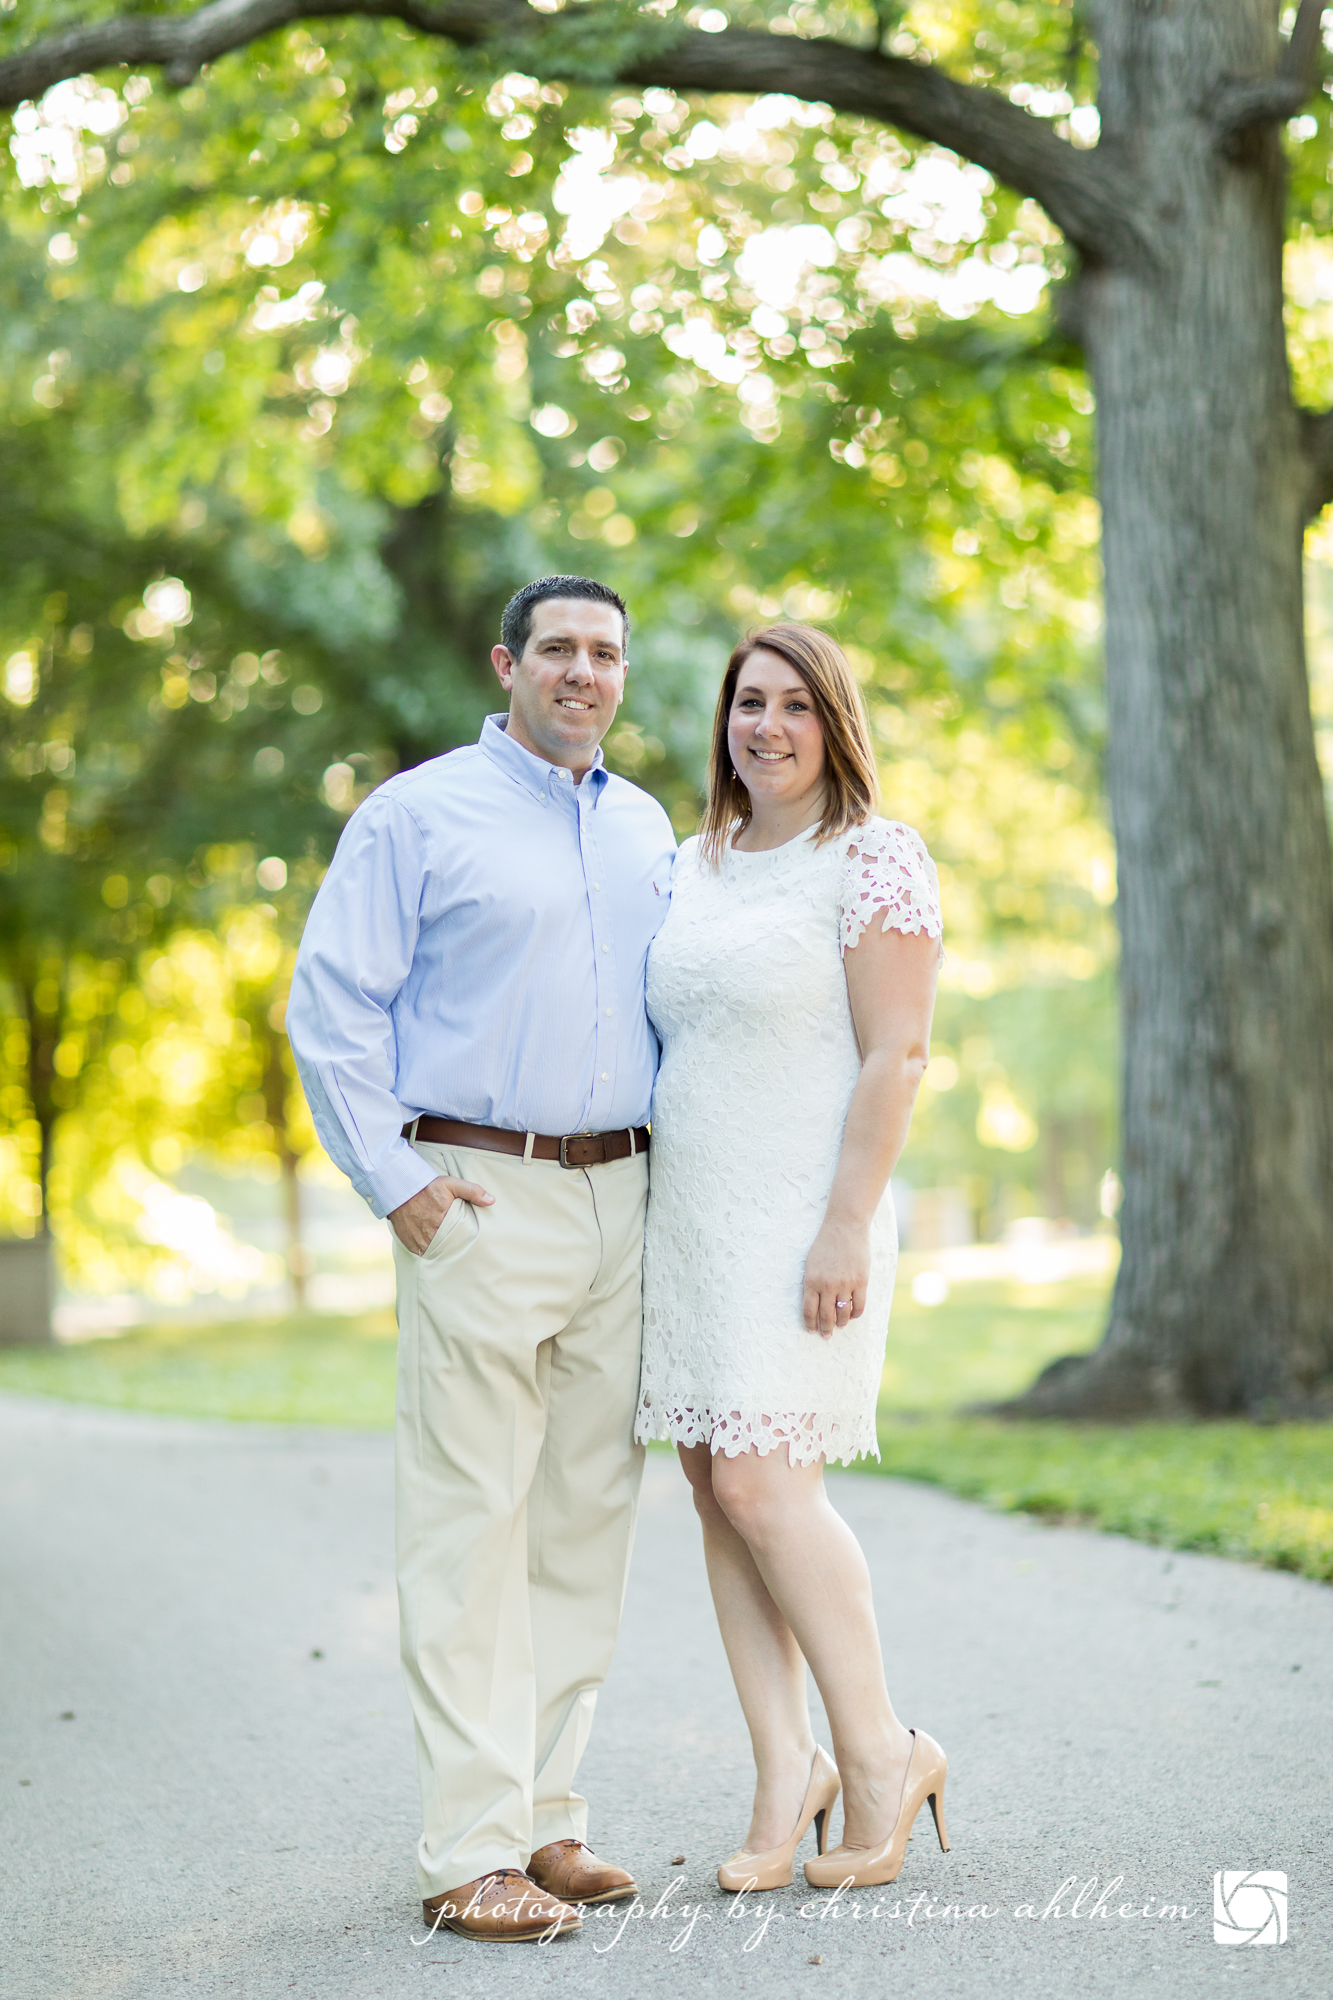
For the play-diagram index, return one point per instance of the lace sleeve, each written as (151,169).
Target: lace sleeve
(889,869)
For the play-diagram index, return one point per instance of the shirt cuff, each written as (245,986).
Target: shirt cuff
(403,1174)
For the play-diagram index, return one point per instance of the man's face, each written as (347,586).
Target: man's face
(566,688)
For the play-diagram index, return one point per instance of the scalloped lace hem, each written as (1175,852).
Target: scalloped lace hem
(731,1432)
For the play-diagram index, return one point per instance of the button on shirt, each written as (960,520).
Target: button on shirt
(477,951)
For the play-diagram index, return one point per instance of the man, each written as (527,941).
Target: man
(467,1016)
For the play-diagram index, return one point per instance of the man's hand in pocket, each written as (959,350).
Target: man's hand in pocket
(415,1222)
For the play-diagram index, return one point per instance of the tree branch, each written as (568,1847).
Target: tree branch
(1087,194)
(1244,102)
(1317,438)
(1300,58)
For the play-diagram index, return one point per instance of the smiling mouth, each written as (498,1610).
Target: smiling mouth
(571,701)
(770,756)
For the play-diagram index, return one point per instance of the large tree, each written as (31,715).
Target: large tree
(1208,474)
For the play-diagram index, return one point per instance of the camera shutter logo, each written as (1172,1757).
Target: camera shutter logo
(1250,1908)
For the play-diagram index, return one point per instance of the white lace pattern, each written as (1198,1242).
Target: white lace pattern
(747,992)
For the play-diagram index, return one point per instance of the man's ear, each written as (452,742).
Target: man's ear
(503,662)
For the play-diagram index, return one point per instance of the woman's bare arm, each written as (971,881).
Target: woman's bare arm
(891,978)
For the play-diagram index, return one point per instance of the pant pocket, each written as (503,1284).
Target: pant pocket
(458,1231)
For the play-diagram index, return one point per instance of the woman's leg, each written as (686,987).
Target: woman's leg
(766,1664)
(811,1569)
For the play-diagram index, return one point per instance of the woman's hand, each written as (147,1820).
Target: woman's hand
(415,1222)
(837,1273)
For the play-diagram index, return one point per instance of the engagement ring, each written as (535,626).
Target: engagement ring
(842,1302)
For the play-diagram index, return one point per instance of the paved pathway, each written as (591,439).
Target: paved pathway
(206,1782)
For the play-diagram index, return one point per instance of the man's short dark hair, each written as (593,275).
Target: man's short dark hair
(516,624)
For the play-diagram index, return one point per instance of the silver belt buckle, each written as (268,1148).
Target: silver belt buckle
(565,1161)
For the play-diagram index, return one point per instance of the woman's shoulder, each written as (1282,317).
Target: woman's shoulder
(689,856)
(688,864)
(889,869)
(877,836)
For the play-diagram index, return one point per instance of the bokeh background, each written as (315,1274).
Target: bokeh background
(304,372)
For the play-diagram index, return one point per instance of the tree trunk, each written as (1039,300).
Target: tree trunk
(297,1269)
(276,1086)
(1224,1301)
(44,1030)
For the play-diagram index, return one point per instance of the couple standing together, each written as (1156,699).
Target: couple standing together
(503,944)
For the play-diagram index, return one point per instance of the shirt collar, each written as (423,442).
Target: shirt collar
(533,773)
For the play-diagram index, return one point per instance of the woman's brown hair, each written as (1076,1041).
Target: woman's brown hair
(849,760)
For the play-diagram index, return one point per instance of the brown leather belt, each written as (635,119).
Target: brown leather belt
(576,1149)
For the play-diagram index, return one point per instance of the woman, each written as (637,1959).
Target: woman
(792,986)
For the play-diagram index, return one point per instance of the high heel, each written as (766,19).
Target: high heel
(774,1868)
(867,1867)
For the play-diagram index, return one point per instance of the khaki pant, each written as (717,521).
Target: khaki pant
(517,1482)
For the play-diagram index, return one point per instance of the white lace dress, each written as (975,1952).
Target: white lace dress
(747,991)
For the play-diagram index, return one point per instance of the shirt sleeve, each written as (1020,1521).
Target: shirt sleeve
(355,956)
(889,871)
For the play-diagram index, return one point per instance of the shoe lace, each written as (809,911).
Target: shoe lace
(503,1875)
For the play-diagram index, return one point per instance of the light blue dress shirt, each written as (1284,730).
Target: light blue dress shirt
(477,950)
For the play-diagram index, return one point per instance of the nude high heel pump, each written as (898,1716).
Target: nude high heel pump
(867,1867)
(774,1869)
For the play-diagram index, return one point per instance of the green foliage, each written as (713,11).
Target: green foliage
(1020,1107)
(189,1056)
(422,313)
(589,45)
(352,336)
(986,1342)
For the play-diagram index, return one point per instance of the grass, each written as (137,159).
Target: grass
(1261,1493)
(1228,1488)
(987,1341)
(300,1369)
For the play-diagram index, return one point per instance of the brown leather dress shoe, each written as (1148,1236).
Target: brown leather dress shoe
(504,1907)
(569,1869)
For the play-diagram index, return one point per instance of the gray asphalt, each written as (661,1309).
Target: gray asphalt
(206,1779)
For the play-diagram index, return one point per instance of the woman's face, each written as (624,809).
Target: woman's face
(773,732)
